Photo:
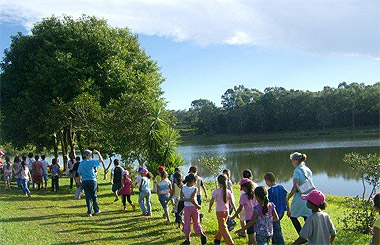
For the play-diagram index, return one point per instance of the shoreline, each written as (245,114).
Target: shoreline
(330,134)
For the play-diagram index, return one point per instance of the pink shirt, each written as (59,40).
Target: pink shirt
(126,190)
(248,205)
(220,205)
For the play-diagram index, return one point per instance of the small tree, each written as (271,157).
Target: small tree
(212,164)
(360,216)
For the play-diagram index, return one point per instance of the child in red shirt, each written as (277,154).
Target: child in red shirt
(126,190)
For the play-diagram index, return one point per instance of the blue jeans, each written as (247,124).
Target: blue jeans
(146,195)
(163,198)
(90,191)
(24,184)
(18,181)
(277,233)
(262,240)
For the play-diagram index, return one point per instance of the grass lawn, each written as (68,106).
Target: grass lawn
(56,218)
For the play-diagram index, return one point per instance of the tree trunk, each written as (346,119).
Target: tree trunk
(63,148)
(106,169)
(79,138)
(55,145)
(72,143)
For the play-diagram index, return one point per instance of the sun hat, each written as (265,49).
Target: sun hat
(125,173)
(161,169)
(87,153)
(144,171)
(296,156)
(316,197)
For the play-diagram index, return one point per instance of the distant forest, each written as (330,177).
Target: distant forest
(246,110)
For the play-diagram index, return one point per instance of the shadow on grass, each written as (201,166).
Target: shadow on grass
(34,218)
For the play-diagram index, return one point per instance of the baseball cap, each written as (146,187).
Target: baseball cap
(316,197)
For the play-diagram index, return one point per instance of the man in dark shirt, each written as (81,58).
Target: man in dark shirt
(116,176)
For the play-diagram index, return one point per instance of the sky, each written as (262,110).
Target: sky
(207,47)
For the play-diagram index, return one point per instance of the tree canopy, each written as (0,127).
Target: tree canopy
(246,110)
(78,83)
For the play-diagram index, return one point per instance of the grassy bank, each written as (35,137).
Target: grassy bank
(341,133)
(56,218)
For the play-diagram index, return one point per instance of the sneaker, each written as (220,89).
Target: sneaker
(203,239)
(89,215)
(216,241)
(186,242)
(97,213)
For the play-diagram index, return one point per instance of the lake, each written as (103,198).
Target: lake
(330,174)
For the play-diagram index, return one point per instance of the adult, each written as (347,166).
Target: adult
(86,171)
(301,173)
(116,177)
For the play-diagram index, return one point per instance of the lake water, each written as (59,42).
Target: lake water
(330,174)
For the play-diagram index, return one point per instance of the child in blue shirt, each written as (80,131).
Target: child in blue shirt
(276,194)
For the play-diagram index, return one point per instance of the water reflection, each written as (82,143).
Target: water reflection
(324,159)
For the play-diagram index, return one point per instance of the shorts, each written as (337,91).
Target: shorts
(251,229)
(7,177)
(116,186)
(46,177)
(163,198)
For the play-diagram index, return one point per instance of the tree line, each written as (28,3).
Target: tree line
(246,110)
(78,83)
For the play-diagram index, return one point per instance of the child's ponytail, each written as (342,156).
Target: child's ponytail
(261,193)
(222,180)
(250,189)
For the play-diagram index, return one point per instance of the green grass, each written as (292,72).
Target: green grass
(56,218)
(334,134)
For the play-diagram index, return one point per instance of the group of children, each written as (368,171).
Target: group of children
(260,209)
(31,169)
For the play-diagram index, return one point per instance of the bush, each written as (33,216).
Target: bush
(360,214)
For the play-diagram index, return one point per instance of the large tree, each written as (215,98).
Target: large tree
(77,82)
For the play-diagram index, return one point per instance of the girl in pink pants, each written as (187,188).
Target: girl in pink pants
(188,194)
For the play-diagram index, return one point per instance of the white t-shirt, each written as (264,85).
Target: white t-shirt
(199,184)
(31,161)
(187,193)
(25,173)
(45,165)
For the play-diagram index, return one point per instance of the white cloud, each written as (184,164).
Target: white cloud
(324,27)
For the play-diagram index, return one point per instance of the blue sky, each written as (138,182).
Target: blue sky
(206,48)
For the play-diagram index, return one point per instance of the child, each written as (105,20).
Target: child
(247,202)
(164,187)
(277,194)
(79,191)
(247,174)
(230,222)
(263,216)
(223,198)
(144,189)
(25,177)
(318,228)
(191,207)
(45,166)
(30,165)
(7,173)
(175,195)
(126,190)
(376,226)
(116,177)
(55,171)
(37,171)
(16,171)
(157,178)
